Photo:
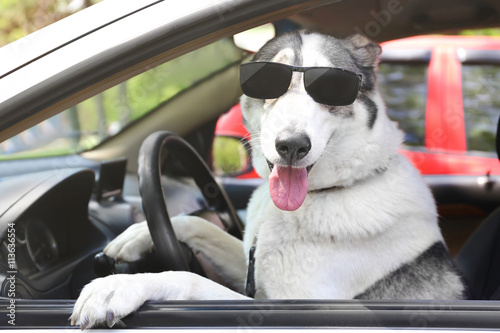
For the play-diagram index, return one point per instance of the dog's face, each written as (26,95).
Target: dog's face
(303,146)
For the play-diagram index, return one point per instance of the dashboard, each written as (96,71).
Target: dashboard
(47,233)
(53,223)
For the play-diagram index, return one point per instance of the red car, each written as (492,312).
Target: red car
(449,84)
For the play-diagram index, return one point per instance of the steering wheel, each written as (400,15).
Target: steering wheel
(154,150)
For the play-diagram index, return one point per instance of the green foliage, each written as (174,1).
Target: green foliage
(481,32)
(229,156)
(20,18)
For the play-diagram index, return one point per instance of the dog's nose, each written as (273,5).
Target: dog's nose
(292,146)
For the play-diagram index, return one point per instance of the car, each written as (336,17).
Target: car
(81,96)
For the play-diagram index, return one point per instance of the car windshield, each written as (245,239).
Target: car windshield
(87,124)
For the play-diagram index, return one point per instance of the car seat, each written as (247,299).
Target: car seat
(479,258)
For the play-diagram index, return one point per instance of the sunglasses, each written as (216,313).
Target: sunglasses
(326,85)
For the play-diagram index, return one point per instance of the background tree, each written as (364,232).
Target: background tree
(19,18)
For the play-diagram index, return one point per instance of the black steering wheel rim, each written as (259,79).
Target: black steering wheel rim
(153,150)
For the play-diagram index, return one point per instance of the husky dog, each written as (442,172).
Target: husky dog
(341,214)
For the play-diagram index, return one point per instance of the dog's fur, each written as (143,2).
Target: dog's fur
(366,229)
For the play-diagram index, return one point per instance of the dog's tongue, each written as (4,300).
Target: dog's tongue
(288,187)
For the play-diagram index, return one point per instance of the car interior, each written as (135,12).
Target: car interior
(59,210)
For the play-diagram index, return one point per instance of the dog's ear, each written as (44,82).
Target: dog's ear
(365,51)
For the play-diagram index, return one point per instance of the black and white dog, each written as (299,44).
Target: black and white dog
(341,215)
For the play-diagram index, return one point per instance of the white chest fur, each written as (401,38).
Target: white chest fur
(342,241)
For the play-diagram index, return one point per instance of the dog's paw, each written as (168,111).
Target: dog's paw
(107,300)
(132,244)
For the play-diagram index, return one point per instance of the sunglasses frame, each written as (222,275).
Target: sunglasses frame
(301,69)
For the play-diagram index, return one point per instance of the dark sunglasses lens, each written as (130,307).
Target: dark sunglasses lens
(264,80)
(331,86)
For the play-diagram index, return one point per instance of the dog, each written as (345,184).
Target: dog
(341,214)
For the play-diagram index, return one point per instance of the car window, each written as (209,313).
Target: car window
(481,94)
(404,89)
(89,123)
